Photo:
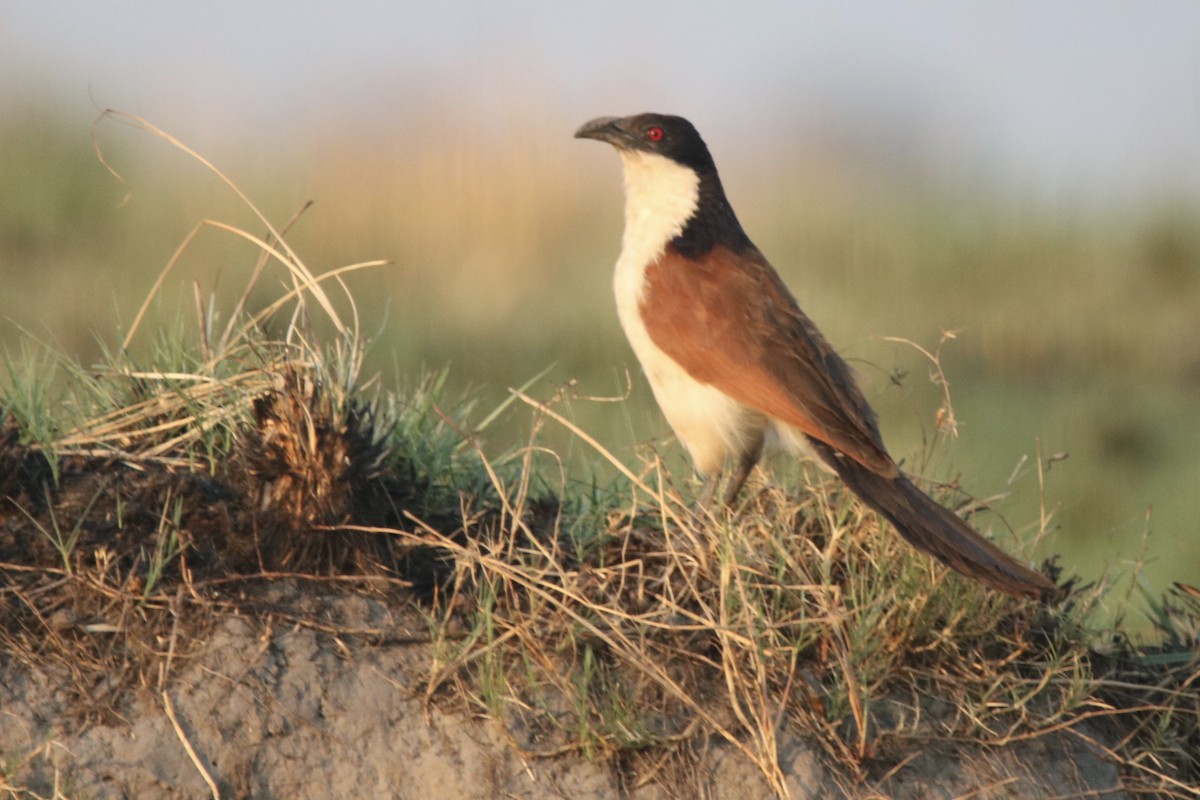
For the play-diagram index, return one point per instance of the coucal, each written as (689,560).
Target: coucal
(734,362)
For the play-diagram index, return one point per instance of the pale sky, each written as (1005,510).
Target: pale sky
(1091,97)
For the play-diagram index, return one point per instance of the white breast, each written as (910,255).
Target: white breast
(660,197)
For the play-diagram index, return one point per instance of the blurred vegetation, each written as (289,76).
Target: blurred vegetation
(1074,325)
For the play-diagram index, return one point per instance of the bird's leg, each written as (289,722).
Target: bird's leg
(708,491)
(746,461)
(744,467)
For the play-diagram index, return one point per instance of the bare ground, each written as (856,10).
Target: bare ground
(305,693)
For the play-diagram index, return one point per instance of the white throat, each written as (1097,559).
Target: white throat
(660,197)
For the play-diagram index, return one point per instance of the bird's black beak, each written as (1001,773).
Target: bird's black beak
(606,129)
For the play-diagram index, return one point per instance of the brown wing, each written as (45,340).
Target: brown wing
(729,321)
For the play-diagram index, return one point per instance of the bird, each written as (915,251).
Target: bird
(735,364)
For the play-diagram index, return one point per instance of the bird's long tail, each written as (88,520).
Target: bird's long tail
(938,531)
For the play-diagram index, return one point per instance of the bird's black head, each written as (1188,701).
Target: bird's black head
(712,221)
(672,137)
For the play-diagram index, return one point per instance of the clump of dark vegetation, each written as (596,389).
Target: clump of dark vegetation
(616,621)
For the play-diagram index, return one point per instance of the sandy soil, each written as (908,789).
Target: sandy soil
(334,706)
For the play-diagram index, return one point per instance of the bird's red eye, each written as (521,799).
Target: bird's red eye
(655,134)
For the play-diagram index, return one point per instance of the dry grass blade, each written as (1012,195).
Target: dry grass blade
(169,707)
(946,419)
(158,282)
(297,292)
(137,430)
(259,265)
(292,260)
(672,508)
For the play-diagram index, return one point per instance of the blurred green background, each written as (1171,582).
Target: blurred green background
(1018,201)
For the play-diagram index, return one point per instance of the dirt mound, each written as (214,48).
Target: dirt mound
(319,694)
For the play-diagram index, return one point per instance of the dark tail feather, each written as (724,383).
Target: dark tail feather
(938,531)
